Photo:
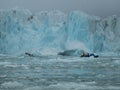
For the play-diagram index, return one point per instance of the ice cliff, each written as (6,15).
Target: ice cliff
(54,31)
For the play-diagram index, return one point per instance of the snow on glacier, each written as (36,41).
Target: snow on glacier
(54,31)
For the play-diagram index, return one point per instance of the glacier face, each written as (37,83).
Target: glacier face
(50,32)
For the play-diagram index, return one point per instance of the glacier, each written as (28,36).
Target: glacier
(49,32)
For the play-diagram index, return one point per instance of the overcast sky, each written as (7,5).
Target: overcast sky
(93,7)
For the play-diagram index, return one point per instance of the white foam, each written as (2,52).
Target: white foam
(9,65)
(49,51)
(12,65)
(76,45)
(2,76)
(5,63)
(13,84)
(113,88)
(74,86)
(67,86)
(117,62)
(33,88)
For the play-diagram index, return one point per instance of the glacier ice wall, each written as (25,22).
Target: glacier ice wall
(54,31)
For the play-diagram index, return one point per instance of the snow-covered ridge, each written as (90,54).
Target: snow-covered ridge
(54,31)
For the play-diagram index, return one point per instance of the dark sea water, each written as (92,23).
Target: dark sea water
(59,73)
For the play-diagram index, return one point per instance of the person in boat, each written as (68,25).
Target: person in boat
(29,54)
(80,53)
(86,54)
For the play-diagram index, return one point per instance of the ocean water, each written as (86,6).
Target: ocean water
(59,73)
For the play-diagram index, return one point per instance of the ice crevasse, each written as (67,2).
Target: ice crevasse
(54,31)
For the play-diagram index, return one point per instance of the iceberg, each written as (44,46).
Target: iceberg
(50,32)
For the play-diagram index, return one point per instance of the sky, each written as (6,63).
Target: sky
(101,8)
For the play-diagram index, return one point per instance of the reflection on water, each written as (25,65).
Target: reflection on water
(59,73)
